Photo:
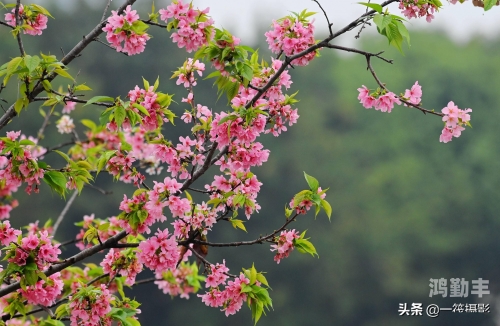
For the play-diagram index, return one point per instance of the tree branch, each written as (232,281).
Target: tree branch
(5,24)
(63,213)
(326,16)
(18,21)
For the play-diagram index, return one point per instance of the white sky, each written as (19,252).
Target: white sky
(461,21)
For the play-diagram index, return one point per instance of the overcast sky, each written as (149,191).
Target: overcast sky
(461,21)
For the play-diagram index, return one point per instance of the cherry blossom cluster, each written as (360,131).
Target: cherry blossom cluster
(231,298)
(415,8)
(126,32)
(122,163)
(32,21)
(44,293)
(159,253)
(19,165)
(36,248)
(122,263)
(304,205)
(291,36)
(273,102)
(180,281)
(185,74)
(203,218)
(156,105)
(65,125)
(177,158)
(284,244)
(384,102)
(193,26)
(228,43)
(243,188)
(90,305)
(455,119)
(7,233)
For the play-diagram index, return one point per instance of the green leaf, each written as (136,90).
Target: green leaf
(31,62)
(18,106)
(157,83)
(238,224)
(141,108)
(146,83)
(403,31)
(26,142)
(41,9)
(63,73)
(374,6)
(99,99)
(326,206)
(232,90)
(488,4)
(312,182)
(66,157)
(382,21)
(31,277)
(89,124)
(305,246)
(395,37)
(247,72)
(82,87)
(253,274)
(56,180)
(139,27)
(120,115)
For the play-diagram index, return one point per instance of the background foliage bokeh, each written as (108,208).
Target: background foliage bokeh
(406,208)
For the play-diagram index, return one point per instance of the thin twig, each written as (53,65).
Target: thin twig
(109,46)
(5,24)
(260,240)
(365,21)
(326,16)
(18,21)
(153,23)
(102,191)
(63,213)
(73,99)
(343,48)
(106,10)
(382,85)
(44,125)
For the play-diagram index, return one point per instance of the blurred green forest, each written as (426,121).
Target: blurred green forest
(406,208)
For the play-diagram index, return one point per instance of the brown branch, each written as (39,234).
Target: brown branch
(343,48)
(5,24)
(63,212)
(326,16)
(18,21)
(359,20)
(149,22)
(105,10)
(365,22)
(73,99)
(259,240)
